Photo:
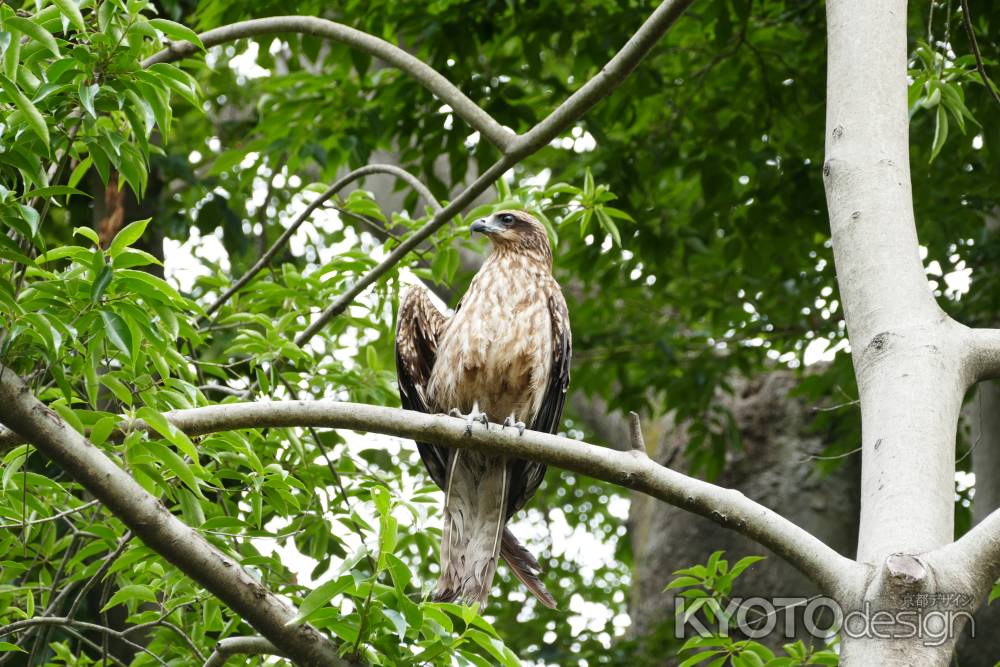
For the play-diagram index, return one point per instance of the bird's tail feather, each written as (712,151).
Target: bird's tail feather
(525,567)
(474,519)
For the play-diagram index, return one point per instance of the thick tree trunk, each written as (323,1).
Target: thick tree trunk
(774,469)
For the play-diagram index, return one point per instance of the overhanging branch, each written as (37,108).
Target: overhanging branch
(160,530)
(630,469)
(423,73)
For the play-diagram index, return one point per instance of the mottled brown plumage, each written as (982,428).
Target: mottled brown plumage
(505,352)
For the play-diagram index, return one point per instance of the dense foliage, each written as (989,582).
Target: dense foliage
(688,218)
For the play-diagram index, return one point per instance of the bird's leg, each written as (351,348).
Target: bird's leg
(472,418)
(512,421)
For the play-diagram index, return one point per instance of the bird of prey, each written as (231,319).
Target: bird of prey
(503,355)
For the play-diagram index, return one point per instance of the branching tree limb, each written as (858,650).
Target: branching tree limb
(631,468)
(160,530)
(330,192)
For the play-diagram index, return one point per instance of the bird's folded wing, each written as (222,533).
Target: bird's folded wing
(417,333)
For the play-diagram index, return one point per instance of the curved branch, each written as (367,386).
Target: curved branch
(983,355)
(227,648)
(629,468)
(424,74)
(338,185)
(160,530)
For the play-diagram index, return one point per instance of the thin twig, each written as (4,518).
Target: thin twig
(967,22)
(54,517)
(834,457)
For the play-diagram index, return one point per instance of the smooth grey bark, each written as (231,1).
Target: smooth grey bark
(774,468)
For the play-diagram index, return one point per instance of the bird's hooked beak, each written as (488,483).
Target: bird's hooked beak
(486,226)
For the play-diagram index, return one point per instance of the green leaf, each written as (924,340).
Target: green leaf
(127,236)
(743,564)
(118,388)
(320,597)
(173,434)
(117,332)
(36,32)
(101,283)
(940,132)
(175,464)
(397,620)
(79,171)
(87,233)
(176,31)
(12,56)
(35,120)
(53,191)
(70,10)
(130,593)
(87,96)
(100,431)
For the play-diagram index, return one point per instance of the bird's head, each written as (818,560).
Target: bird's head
(515,231)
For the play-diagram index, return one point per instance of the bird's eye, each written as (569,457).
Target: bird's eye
(507,219)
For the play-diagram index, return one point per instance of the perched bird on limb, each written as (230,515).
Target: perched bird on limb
(504,355)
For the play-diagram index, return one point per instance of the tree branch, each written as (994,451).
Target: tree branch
(226,648)
(160,530)
(424,74)
(983,356)
(630,468)
(338,185)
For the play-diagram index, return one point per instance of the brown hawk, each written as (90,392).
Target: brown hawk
(503,355)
